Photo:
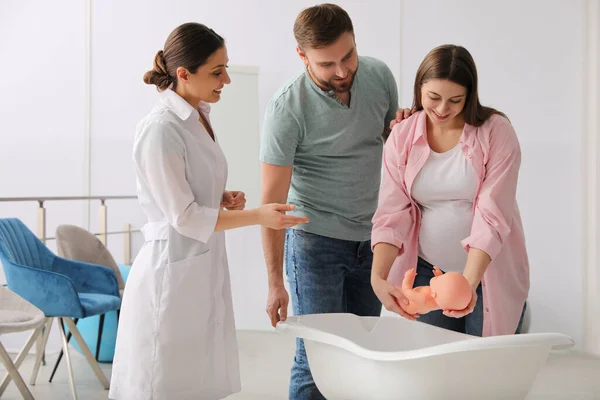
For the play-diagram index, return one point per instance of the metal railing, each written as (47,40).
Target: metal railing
(102,218)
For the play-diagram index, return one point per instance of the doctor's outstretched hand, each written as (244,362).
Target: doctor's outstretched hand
(274,216)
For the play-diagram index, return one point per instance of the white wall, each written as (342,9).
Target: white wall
(41,110)
(42,113)
(592,173)
(529,55)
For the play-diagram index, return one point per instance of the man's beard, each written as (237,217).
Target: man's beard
(335,86)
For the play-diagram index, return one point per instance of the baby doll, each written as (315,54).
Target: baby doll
(446,291)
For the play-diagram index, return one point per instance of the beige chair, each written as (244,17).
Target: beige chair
(18,315)
(78,244)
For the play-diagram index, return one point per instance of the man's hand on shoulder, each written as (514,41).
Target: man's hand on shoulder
(401,114)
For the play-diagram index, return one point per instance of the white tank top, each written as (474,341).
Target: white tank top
(444,190)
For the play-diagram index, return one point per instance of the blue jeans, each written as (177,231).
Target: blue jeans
(471,324)
(326,276)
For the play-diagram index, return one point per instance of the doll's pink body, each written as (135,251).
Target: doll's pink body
(446,291)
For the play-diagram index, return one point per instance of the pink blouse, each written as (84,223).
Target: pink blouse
(493,151)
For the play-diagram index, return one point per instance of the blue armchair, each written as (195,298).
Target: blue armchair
(61,288)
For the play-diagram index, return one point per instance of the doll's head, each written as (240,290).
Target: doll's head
(451,291)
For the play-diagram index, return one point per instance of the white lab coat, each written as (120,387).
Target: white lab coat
(176,338)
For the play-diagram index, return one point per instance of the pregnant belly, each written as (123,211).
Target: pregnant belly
(440,235)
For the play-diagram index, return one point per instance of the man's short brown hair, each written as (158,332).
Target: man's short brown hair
(321,25)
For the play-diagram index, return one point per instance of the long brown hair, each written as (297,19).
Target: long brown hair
(455,64)
(189,46)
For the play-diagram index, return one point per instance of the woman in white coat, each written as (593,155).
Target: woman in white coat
(176,338)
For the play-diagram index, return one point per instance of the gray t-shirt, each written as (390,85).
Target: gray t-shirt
(335,150)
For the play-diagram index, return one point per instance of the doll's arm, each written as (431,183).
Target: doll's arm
(409,280)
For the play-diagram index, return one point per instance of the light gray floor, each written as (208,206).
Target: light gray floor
(265,359)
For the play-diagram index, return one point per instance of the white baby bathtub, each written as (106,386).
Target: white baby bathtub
(363,358)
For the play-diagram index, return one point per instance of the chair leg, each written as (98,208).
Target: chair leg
(65,345)
(14,373)
(100,329)
(21,356)
(40,349)
(40,354)
(61,354)
(88,354)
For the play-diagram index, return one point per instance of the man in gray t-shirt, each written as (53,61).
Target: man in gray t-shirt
(321,150)
(334,147)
